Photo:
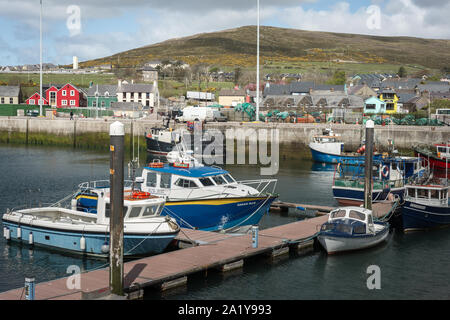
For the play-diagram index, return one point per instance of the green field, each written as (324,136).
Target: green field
(81,80)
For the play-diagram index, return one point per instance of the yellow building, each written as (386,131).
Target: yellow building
(231,97)
(390,98)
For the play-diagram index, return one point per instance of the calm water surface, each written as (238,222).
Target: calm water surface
(413,266)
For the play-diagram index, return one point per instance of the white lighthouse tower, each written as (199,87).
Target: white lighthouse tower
(75,63)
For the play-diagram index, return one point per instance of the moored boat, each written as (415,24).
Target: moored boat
(328,148)
(82,225)
(438,160)
(207,197)
(426,204)
(351,228)
(389,177)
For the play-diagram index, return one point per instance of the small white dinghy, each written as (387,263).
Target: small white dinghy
(351,228)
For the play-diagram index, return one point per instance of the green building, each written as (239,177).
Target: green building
(101,96)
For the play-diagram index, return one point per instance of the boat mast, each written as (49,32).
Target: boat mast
(257,66)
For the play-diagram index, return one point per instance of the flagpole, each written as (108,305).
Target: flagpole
(257,67)
(40,53)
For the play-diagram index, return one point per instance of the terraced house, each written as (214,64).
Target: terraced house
(390,98)
(101,96)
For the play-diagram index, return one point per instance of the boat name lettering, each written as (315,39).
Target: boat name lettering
(246,203)
(418,206)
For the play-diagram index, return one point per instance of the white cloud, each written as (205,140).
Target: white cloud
(159,20)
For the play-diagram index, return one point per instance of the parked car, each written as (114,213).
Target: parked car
(32,113)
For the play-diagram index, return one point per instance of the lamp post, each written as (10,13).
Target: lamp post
(257,67)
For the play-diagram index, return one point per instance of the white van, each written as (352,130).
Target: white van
(195,114)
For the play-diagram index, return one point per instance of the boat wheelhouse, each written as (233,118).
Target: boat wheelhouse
(80,223)
(208,197)
(389,178)
(426,205)
(351,228)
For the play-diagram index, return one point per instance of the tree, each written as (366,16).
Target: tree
(237,75)
(402,72)
(339,78)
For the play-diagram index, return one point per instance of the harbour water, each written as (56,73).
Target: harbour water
(413,266)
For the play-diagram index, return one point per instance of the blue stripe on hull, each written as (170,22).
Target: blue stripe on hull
(209,217)
(134,245)
(329,158)
(358,195)
(424,217)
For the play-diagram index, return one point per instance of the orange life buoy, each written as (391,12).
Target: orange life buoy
(156,165)
(140,195)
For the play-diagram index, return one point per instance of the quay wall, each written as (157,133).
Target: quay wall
(91,133)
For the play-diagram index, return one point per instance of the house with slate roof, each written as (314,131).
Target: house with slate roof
(101,96)
(9,94)
(146,94)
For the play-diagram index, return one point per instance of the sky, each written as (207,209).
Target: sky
(92,29)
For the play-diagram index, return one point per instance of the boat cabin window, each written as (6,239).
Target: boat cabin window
(185,183)
(338,214)
(206,182)
(357,215)
(359,229)
(411,192)
(151,179)
(422,193)
(393,166)
(134,212)
(442,149)
(108,210)
(370,220)
(434,194)
(219,180)
(166,179)
(344,228)
(150,211)
(229,178)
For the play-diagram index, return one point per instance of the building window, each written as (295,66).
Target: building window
(31,101)
(72,102)
(390,106)
(103,104)
(64,102)
(64,92)
(11,100)
(370,107)
(72,93)
(3,100)
(94,103)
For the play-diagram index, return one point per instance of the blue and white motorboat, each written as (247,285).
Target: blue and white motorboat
(328,148)
(389,178)
(426,204)
(351,228)
(80,223)
(207,197)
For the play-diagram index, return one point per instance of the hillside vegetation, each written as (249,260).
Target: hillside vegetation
(280,46)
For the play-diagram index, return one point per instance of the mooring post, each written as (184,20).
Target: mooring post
(368,165)
(117,135)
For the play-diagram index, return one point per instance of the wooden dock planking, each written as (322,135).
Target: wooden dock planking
(213,250)
(287,205)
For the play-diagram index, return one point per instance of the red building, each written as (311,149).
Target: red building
(34,100)
(67,96)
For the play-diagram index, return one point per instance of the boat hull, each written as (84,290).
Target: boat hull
(158,147)
(432,161)
(219,214)
(355,196)
(334,244)
(134,244)
(319,156)
(417,216)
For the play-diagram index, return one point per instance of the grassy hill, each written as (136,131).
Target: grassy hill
(282,47)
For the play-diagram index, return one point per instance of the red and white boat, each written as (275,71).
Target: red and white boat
(437,160)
